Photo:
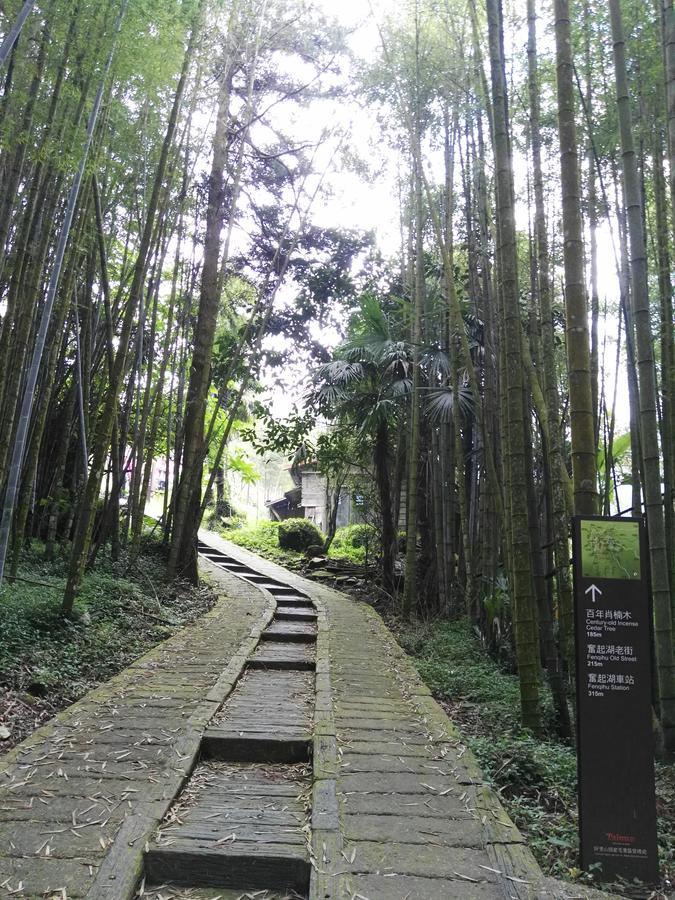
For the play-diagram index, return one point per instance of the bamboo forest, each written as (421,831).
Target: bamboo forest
(337,449)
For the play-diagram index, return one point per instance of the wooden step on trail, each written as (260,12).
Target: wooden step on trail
(279,655)
(297,632)
(268,718)
(294,600)
(278,590)
(236,826)
(295,614)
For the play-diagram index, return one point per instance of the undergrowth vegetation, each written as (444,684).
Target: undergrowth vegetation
(355,543)
(262,538)
(535,778)
(47,661)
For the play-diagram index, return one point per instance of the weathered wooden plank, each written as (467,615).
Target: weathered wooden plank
(285,600)
(281,649)
(383,887)
(382,857)
(87,786)
(281,663)
(410,829)
(459,803)
(40,877)
(381,762)
(56,839)
(295,614)
(123,866)
(229,867)
(55,809)
(261,836)
(291,631)
(243,812)
(288,746)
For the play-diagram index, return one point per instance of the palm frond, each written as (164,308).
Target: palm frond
(439,403)
(339,373)
(400,388)
(437,363)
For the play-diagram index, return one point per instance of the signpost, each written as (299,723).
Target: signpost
(617,807)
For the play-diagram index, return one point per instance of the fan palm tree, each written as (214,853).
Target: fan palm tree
(366,386)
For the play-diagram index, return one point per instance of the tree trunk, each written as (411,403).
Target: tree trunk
(183,551)
(576,311)
(558,504)
(15,31)
(524,603)
(659,563)
(388,533)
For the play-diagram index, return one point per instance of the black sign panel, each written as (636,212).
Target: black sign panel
(617,807)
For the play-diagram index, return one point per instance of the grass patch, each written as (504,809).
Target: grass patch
(48,662)
(263,538)
(536,778)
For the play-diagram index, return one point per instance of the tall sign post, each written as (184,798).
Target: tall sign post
(617,806)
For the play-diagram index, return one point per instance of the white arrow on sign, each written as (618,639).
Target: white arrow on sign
(594,591)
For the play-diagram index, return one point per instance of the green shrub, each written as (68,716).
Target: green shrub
(298,534)
(353,542)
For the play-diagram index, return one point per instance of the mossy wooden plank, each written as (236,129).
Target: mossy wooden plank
(41,877)
(326,864)
(410,829)
(122,868)
(429,861)
(456,804)
(383,730)
(381,762)
(56,809)
(406,887)
(60,840)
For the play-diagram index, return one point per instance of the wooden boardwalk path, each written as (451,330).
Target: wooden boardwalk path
(282,744)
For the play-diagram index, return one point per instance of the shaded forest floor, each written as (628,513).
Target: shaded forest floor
(47,663)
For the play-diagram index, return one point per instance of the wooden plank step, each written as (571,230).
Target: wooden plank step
(294,600)
(280,655)
(259,576)
(236,826)
(215,556)
(263,703)
(287,745)
(248,867)
(298,632)
(296,614)
(274,587)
